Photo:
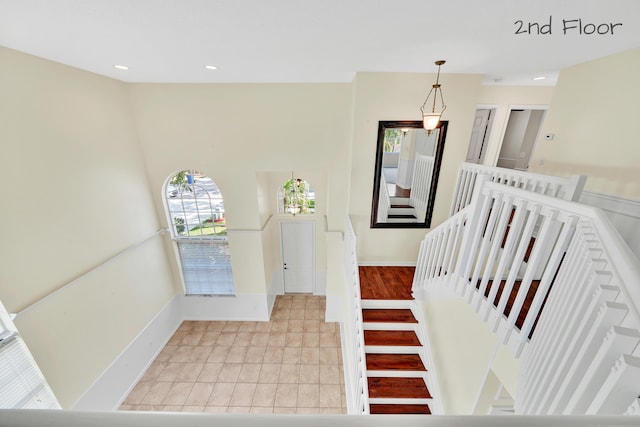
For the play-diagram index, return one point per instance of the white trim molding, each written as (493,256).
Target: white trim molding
(240,307)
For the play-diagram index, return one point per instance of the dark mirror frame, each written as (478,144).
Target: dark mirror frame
(412,124)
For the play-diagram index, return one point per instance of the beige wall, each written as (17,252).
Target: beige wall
(393,96)
(593,116)
(462,348)
(75,194)
(249,138)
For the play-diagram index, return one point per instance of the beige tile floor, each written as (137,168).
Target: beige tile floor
(289,365)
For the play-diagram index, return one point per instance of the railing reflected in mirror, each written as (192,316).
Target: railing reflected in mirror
(407,166)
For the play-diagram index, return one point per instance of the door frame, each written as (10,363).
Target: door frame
(511,107)
(488,131)
(313,249)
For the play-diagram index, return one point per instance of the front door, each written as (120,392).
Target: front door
(298,255)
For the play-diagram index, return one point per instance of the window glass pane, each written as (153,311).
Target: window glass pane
(206,267)
(296,196)
(196,210)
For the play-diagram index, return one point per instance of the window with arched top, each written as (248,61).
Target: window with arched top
(296,196)
(198,227)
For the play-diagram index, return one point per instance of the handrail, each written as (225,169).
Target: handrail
(352,279)
(564,188)
(82,275)
(556,283)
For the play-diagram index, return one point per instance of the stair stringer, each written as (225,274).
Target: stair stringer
(431,377)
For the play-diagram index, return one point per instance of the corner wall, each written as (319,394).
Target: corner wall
(76,195)
(395,96)
(246,137)
(593,115)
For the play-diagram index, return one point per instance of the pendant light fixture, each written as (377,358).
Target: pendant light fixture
(430,119)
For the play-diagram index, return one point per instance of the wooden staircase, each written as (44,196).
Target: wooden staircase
(395,369)
(401,211)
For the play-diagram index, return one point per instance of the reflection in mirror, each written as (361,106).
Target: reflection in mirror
(408,162)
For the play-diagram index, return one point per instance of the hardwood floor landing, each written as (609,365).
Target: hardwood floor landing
(386,283)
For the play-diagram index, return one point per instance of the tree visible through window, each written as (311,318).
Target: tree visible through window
(296,196)
(199,229)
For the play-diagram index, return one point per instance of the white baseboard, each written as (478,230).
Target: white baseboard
(388,264)
(623,213)
(244,307)
(275,288)
(111,388)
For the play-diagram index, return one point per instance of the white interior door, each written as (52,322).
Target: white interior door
(477,144)
(298,255)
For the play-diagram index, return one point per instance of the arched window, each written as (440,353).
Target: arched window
(296,196)
(196,211)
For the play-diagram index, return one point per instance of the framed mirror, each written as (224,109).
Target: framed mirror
(406,173)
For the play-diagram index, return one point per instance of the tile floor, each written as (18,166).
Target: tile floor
(289,365)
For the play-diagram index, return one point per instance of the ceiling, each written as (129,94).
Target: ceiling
(317,40)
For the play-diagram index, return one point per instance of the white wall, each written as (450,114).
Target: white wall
(75,194)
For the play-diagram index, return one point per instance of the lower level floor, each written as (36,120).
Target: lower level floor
(291,364)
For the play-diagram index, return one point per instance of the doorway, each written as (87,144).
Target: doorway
(520,135)
(480,135)
(297,239)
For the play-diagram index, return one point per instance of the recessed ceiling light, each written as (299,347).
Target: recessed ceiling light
(539,78)
(210,67)
(121,67)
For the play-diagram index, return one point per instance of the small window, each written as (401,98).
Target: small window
(296,196)
(199,229)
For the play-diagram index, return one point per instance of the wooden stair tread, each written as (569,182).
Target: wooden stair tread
(401,216)
(398,388)
(403,315)
(399,409)
(400,338)
(394,362)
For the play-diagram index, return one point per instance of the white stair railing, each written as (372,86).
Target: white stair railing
(358,377)
(384,201)
(562,188)
(421,184)
(512,253)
